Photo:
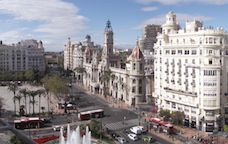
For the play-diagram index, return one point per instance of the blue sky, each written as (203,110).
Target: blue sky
(52,21)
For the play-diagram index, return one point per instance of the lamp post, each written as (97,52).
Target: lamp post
(124,118)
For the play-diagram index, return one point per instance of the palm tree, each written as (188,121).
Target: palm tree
(24,92)
(1,105)
(105,79)
(40,92)
(13,87)
(18,97)
(33,94)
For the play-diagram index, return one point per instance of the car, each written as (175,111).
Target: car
(127,131)
(148,139)
(57,128)
(115,135)
(47,120)
(132,136)
(121,140)
(143,130)
(136,130)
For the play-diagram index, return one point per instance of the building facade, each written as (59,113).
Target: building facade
(104,72)
(146,43)
(23,56)
(191,73)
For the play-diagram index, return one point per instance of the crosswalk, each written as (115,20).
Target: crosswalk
(122,124)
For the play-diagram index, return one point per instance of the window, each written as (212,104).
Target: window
(186,52)
(210,72)
(140,81)
(133,81)
(210,61)
(193,61)
(193,52)
(140,90)
(186,60)
(200,52)
(179,51)
(133,89)
(210,51)
(167,52)
(134,66)
(210,40)
(173,52)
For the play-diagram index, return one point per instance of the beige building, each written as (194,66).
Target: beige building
(127,79)
(191,73)
(25,55)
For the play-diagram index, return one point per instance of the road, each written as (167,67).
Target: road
(113,116)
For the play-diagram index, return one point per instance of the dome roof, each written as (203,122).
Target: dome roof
(136,53)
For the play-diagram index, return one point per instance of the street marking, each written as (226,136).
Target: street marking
(122,124)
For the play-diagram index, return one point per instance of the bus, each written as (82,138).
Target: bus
(28,122)
(87,115)
(161,125)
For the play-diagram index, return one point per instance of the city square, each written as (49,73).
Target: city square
(76,72)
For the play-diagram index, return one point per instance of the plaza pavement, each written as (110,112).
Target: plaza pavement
(7,96)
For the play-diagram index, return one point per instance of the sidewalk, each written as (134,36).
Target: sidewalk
(190,133)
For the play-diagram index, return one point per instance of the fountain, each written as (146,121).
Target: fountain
(74,136)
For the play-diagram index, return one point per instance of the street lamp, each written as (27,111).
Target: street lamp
(124,118)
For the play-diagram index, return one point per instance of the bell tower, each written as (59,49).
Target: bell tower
(108,40)
(108,45)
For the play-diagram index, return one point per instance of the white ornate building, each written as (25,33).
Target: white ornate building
(191,73)
(25,55)
(127,79)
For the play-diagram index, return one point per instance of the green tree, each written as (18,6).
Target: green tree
(13,87)
(40,92)
(105,77)
(29,75)
(225,128)
(1,105)
(18,98)
(165,114)
(33,94)
(15,140)
(55,84)
(177,117)
(79,69)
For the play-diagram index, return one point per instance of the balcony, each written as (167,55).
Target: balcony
(181,92)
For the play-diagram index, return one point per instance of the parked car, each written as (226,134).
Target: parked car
(132,136)
(127,131)
(121,140)
(115,135)
(57,128)
(148,139)
(143,130)
(136,130)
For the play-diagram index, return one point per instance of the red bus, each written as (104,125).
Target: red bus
(161,125)
(28,122)
(87,115)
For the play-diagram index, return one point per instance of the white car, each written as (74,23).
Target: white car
(136,130)
(142,129)
(132,136)
(121,140)
(57,128)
